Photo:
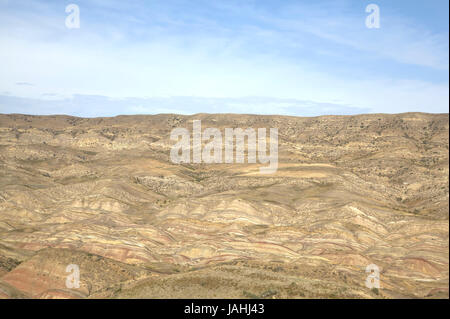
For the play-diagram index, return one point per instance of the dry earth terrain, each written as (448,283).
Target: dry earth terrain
(103,194)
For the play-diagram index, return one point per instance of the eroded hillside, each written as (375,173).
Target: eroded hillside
(102,193)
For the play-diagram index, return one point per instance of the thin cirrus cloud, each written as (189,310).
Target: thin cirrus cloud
(97,106)
(292,58)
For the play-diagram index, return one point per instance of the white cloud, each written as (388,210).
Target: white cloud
(103,60)
(95,105)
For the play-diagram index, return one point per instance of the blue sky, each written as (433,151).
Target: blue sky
(288,57)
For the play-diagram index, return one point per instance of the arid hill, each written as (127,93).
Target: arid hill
(103,194)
